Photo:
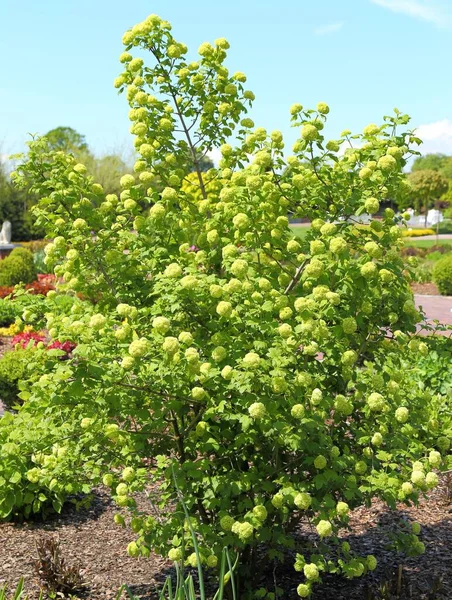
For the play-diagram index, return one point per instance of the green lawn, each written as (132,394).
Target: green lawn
(300,230)
(420,243)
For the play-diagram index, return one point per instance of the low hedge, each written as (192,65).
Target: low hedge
(18,267)
(417,232)
(8,312)
(442,275)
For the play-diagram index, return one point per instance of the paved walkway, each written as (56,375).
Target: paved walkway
(436,307)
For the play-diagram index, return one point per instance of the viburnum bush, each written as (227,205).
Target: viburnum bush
(219,354)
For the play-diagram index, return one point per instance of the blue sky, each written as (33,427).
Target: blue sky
(362,57)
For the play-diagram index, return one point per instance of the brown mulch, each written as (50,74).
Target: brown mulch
(90,538)
(425,289)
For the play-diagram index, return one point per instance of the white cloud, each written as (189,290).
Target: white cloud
(215,156)
(330,28)
(437,12)
(436,137)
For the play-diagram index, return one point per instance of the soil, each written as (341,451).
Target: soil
(89,538)
(425,289)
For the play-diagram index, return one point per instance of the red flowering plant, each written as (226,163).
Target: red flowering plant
(25,337)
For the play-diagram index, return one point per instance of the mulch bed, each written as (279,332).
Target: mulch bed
(90,538)
(425,289)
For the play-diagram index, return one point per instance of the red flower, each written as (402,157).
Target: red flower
(27,336)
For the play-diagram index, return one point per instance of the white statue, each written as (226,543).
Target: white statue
(5,233)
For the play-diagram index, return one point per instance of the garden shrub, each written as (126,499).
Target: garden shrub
(13,368)
(417,232)
(261,374)
(18,267)
(442,275)
(8,312)
(433,369)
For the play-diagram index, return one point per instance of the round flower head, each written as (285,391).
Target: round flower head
(279,385)
(361,467)
(365,173)
(97,322)
(401,414)
(316,396)
(242,530)
(303,501)
(257,410)
(349,358)
(251,360)
(212,561)
(157,212)
(315,269)
(333,146)
(304,590)
(224,309)
(431,479)
(226,523)
(219,353)
(122,489)
(416,528)
(309,132)
(377,439)
(260,512)
(138,348)
(161,324)
(418,478)
(317,247)
(175,554)
(241,221)
(376,402)
(368,270)
(173,270)
(324,528)
(311,572)
(434,458)
(239,268)
(192,560)
(371,129)
(320,462)
(371,205)
(127,362)
(198,393)
(127,181)
(226,372)
(170,345)
(342,509)
(189,282)
(323,108)
(285,330)
(278,500)
(128,474)
(373,249)
(338,245)
(349,325)
(297,411)
(387,163)
(407,488)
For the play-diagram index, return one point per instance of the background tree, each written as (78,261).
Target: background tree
(67,139)
(14,207)
(427,187)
